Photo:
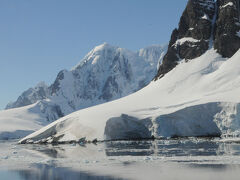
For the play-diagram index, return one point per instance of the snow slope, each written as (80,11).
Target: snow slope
(104,74)
(19,122)
(197,98)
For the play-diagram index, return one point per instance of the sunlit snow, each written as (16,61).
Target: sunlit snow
(202,94)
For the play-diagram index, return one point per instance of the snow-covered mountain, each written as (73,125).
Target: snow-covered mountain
(195,92)
(30,96)
(106,73)
(152,53)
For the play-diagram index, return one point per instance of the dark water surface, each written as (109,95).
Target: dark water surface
(160,159)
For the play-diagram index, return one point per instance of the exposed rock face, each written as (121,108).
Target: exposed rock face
(227,40)
(192,37)
(196,20)
(55,86)
(204,23)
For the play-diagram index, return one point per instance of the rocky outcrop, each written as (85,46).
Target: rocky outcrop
(56,85)
(192,37)
(227,40)
(204,24)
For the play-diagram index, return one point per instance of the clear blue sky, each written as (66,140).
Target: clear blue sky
(38,38)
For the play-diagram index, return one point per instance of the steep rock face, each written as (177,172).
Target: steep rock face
(227,39)
(104,74)
(192,37)
(204,23)
(30,96)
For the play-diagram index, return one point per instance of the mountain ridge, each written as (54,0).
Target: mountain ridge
(106,73)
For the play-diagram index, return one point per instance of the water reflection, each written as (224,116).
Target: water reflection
(138,172)
(229,149)
(162,148)
(133,159)
(45,172)
(129,148)
(215,167)
(49,150)
(165,148)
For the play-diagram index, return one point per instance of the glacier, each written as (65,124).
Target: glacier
(197,98)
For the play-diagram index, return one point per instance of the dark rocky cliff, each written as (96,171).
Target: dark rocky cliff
(204,24)
(227,25)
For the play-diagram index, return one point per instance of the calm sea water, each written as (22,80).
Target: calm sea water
(160,159)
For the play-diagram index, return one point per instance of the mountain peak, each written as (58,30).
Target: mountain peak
(103,46)
(96,51)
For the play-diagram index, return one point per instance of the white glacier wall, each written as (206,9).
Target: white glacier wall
(195,120)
